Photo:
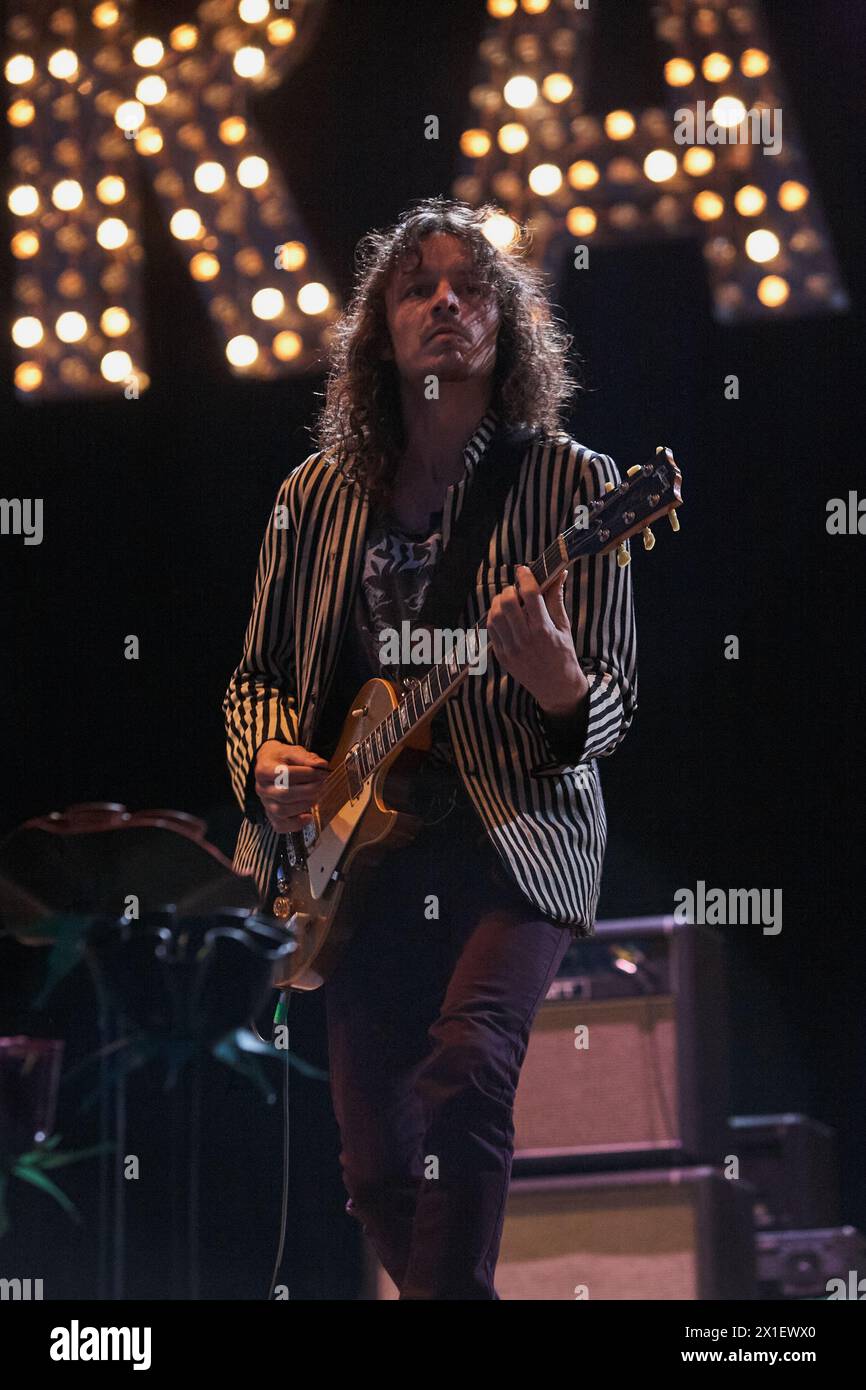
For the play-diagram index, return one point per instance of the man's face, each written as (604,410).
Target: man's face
(443,319)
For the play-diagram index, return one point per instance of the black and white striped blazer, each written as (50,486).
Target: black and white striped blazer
(545,818)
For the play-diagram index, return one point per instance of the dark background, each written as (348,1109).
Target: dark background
(742,773)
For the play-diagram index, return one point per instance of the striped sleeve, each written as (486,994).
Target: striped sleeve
(260,702)
(603,627)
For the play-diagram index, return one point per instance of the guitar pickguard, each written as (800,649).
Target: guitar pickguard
(324,858)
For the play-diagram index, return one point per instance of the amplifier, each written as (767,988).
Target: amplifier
(812,1264)
(660,1235)
(672,1234)
(627,1064)
(791,1162)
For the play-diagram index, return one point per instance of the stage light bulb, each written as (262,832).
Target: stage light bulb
(129,115)
(750,200)
(28,376)
(535,6)
(286,345)
(24,245)
(63,64)
(20,69)
(793,195)
(660,165)
(185,224)
(112,233)
(242,350)
(679,72)
(249,61)
(209,177)
(67,194)
(762,246)
(105,16)
(111,189)
(253,11)
(148,140)
(501,9)
(545,179)
(583,174)
(183,37)
(698,160)
(281,31)
(475,143)
(21,112)
(728,112)
(151,89)
(232,130)
(520,92)
(557,87)
(716,67)
(203,266)
(148,52)
(23,200)
(581,221)
(619,125)
(268,304)
(114,321)
(71,327)
(500,230)
(27,332)
(116,365)
(512,137)
(313,298)
(708,205)
(293,254)
(773,291)
(754,62)
(253,171)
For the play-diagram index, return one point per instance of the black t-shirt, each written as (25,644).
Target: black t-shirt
(397,568)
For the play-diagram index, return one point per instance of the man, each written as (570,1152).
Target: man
(458,935)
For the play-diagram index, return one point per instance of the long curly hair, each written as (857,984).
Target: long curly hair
(361,421)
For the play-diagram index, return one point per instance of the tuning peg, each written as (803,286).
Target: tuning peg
(649,539)
(608,487)
(674,520)
(622,556)
(636,469)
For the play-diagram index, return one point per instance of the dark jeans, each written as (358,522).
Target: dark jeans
(428,1022)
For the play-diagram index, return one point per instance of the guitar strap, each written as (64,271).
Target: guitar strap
(470,539)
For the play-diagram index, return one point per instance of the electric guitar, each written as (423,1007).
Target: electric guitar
(354,820)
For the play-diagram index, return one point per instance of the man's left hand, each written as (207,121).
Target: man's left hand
(530,634)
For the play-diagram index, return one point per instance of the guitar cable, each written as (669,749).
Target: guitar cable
(281,1016)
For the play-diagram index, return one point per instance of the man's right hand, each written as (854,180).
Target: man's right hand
(288,807)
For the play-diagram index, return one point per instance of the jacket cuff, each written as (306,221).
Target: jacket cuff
(604,715)
(566,736)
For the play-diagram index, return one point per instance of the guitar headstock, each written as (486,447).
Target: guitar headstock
(647,492)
